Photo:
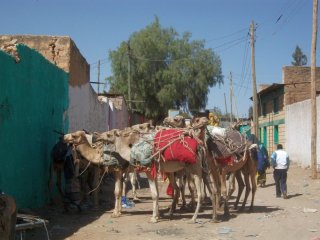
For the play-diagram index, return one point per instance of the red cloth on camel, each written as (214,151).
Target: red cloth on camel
(226,160)
(169,190)
(179,147)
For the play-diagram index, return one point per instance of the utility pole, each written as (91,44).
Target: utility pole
(98,76)
(129,75)
(235,105)
(225,103)
(231,90)
(254,84)
(313,91)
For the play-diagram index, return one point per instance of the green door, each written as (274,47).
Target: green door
(276,134)
(265,143)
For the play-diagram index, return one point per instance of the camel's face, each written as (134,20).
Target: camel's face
(176,122)
(74,138)
(124,140)
(200,122)
(107,137)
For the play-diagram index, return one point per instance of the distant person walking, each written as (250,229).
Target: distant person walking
(263,164)
(280,163)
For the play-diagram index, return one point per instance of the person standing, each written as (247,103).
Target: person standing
(280,163)
(263,164)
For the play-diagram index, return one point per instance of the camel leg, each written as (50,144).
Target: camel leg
(254,188)
(181,182)
(224,194)
(200,192)
(117,194)
(133,180)
(231,184)
(153,183)
(240,188)
(248,189)
(212,186)
(176,193)
(192,187)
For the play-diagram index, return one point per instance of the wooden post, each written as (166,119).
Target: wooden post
(254,84)
(231,89)
(313,92)
(98,76)
(225,103)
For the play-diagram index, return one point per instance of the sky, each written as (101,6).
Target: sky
(98,26)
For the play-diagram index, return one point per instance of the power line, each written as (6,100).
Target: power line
(225,46)
(228,35)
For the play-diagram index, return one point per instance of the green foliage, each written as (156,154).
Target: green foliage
(299,58)
(166,71)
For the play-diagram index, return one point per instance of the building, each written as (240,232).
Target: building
(285,113)
(271,116)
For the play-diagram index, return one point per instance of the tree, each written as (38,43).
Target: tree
(299,58)
(166,71)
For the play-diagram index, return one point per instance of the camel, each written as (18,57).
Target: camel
(87,156)
(103,154)
(249,171)
(8,216)
(232,146)
(171,167)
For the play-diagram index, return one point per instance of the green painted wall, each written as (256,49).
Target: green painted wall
(33,99)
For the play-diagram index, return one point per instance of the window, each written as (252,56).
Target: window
(276,105)
(264,109)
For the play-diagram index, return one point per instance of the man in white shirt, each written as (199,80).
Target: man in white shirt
(280,162)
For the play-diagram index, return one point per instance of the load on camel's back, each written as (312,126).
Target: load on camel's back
(176,145)
(162,152)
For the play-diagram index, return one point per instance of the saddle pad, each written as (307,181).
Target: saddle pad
(175,146)
(142,151)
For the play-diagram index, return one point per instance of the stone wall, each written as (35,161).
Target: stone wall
(297,80)
(60,51)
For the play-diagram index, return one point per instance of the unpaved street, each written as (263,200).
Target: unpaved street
(272,218)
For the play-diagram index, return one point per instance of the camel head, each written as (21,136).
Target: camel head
(107,137)
(124,140)
(176,122)
(199,122)
(77,137)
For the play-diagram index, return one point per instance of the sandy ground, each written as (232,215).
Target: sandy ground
(272,218)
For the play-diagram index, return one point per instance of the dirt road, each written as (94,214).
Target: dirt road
(272,218)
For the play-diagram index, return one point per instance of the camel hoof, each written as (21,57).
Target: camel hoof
(154,220)
(115,215)
(215,220)
(192,221)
